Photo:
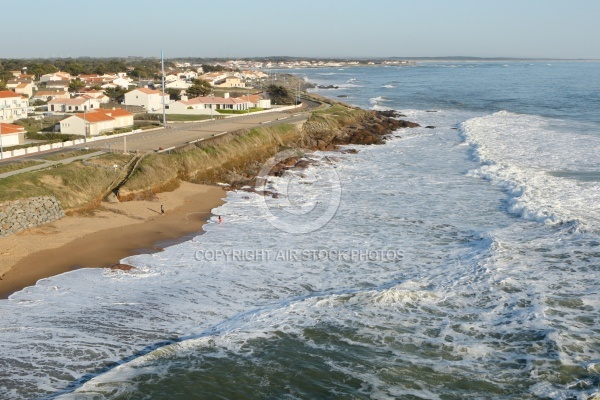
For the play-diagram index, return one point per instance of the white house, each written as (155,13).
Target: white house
(122,117)
(46,95)
(123,82)
(24,89)
(203,105)
(231,82)
(214,78)
(178,84)
(57,76)
(97,95)
(96,122)
(73,105)
(12,135)
(150,99)
(12,106)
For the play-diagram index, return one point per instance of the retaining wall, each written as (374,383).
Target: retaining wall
(18,215)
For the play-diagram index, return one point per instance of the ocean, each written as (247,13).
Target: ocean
(460,260)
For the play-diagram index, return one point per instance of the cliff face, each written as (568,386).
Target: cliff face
(237,158)
(328,130)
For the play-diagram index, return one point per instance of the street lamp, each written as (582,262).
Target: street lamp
(211,103)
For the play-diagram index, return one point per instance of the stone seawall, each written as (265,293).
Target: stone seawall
(18,215)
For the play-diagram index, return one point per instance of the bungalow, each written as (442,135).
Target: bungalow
(178,84)
(11,134)
(230,82)
(150,99)
(62,84)
(57,76)
(122,117)
(73,105)
(96,122)
(12,106)
(204,105)
(46,95)
(257,101)
(98,95)
(123,82)
(214,78)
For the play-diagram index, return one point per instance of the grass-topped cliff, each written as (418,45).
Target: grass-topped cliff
(234,159)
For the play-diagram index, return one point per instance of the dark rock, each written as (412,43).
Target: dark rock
(430,127)
(328,87)
(122,267)
(343,95)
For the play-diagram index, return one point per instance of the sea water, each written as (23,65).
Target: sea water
(459,261)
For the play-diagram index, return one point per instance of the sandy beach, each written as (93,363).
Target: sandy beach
(105,236)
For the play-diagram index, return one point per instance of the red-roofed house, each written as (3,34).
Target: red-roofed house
(12,135)
(148,98)
(12,106)
(97,122)
(122,117)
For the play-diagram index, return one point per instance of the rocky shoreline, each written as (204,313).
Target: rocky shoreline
(373,128)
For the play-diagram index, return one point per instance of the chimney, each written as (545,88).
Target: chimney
(226,96)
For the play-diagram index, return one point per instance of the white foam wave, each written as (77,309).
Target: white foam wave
(525,155)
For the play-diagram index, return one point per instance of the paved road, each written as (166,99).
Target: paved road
(180,134)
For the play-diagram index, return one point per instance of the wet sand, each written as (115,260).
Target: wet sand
(113,232)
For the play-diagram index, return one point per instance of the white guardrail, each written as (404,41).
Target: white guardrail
(36,149)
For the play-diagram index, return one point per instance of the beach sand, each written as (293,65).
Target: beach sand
(107,235)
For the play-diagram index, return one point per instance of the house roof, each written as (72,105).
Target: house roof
(77,101)
(8,129)
(62,82)
(50,93)
(7,94)
(148,91)
(92,117)
(114,112)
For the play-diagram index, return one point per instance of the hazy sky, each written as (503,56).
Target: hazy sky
(319,28)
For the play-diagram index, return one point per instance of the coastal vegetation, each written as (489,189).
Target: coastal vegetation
(232,159)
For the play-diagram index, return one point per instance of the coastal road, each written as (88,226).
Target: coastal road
(176,135)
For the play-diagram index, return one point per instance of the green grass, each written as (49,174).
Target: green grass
(75,185)
(17,165)
(34,126)
(69,154)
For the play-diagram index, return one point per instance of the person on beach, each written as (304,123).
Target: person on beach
(162,209)
(220,220)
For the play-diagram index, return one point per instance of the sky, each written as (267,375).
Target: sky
(305,28)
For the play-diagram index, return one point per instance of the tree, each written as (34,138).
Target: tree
(174,94)
(115,94)
(280,95)
(199,87)
(76,85)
